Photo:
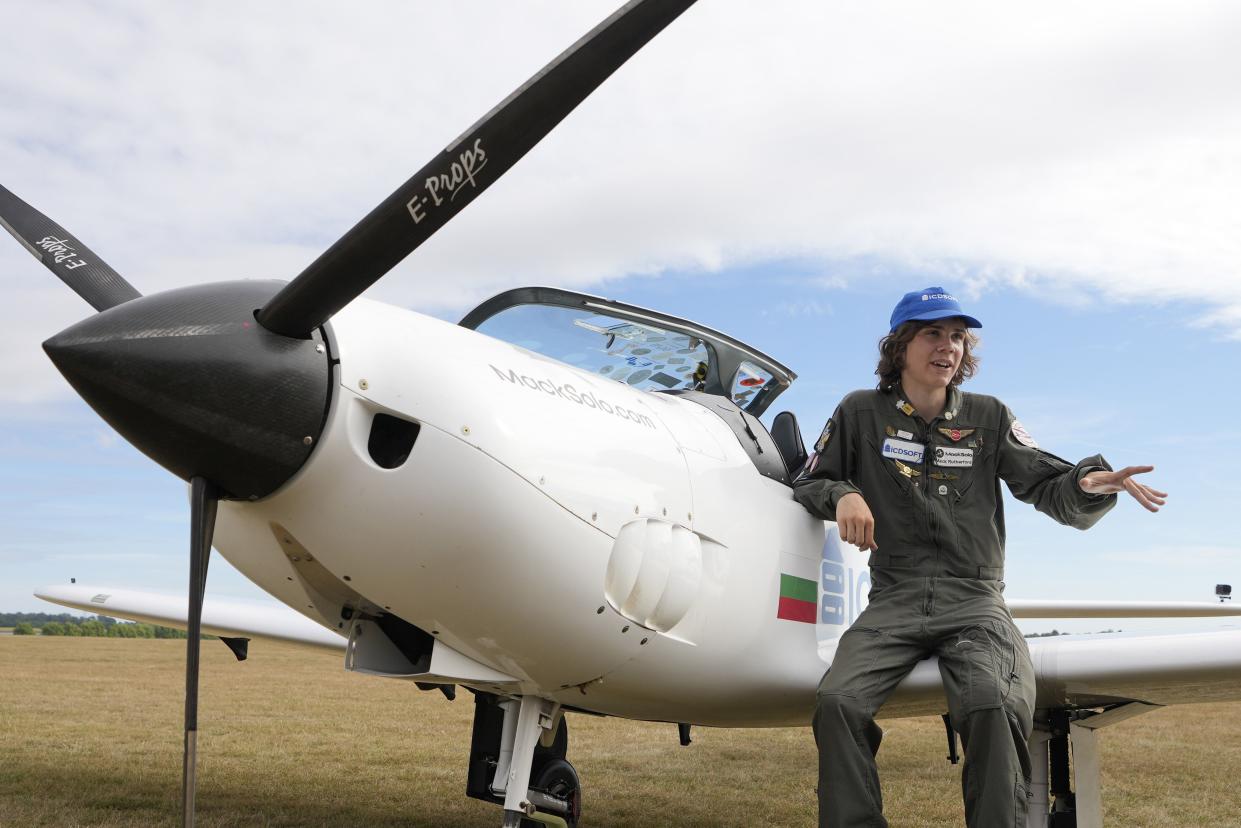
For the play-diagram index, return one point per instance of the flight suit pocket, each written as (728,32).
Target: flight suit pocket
(901,483)
(988,662)
(852,672)
(1006,659)
(958,464)
(960,479)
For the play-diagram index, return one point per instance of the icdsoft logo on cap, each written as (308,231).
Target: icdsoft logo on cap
(929,304)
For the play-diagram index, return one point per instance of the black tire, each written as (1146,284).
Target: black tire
(558,778)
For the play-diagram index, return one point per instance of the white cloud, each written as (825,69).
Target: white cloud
(1081,151)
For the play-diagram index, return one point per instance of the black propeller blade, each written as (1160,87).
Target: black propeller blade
(203,500)
(75,263)
(468,166)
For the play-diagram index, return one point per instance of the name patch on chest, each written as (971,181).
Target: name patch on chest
(903,450)
(948,456)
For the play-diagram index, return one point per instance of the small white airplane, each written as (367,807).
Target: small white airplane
(563,503)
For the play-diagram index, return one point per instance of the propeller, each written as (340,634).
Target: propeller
(227,385)
(76,264)
(191,380)
(469,165)
(203,500)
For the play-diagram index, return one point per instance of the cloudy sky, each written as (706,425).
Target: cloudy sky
(780,170)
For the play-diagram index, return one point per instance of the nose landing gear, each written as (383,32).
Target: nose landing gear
(517,759)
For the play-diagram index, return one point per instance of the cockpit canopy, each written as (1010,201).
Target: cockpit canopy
(647,349)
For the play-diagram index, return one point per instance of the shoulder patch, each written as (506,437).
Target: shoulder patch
(821,443)
(1022,436)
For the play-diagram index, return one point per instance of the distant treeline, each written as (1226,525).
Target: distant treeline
(38,619)
(98,627)
(1057,632)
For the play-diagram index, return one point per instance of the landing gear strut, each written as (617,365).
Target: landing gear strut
(517,759)
(1062,796)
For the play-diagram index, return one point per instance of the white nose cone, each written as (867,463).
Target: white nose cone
(654,573)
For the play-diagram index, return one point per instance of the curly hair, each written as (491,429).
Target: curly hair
(892,355)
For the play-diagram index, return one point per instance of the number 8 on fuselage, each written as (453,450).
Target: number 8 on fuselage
(844,584)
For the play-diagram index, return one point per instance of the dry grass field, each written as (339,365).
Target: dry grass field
(90,735)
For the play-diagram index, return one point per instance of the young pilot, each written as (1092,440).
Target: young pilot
(911,472)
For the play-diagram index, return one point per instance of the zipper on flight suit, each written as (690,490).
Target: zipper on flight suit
(924,437)
(929,453)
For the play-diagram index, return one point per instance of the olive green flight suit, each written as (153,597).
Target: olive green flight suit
(934,490)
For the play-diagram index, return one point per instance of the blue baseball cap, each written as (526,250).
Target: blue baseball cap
(927,304)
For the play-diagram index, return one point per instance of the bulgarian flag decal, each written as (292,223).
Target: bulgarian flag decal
(798,599)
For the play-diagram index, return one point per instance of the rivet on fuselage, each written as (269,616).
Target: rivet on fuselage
(625,628)
(465,430)
(308,440)
(594,515)
(363,384)
(599,611)
(643,641)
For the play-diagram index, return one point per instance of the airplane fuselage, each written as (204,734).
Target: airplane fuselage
(613,549)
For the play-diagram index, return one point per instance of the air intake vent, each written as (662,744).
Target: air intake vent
(654,573)
(391,440)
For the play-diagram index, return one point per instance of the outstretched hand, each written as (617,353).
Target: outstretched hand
(856,523)
(1110,482)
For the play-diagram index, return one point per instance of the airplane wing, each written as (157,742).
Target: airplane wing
(1071,670)
(1155,669)
(1026,608)
(229,619)
(1104,670)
